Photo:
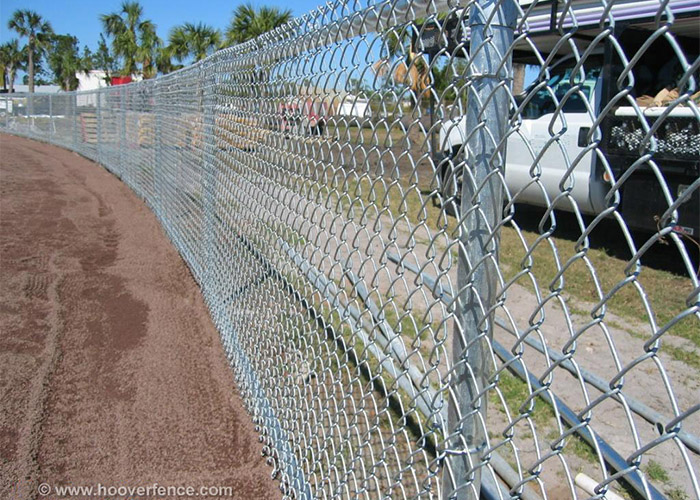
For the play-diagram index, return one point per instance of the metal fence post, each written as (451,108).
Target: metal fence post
(98,125)
(75,120)
(492,24)
(28,110)
(158,145)
(51,126)
(208,109)
(122,137)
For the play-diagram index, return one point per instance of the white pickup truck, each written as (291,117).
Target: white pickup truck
(548,155)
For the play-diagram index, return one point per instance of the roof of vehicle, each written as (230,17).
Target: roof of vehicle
(585,19)
(546,21)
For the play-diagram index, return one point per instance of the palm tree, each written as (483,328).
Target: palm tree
(400,61)
(133,39)
(149,43)
(248,23)
(28,23)
(12,58)
(3,66)
(3,69)
(164,60)
(193,40)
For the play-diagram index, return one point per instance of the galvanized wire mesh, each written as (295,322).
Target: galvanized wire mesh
(354,193)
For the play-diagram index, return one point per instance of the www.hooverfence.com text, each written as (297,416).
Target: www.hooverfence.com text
(154,490)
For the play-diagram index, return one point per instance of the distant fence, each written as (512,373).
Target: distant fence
(350,191)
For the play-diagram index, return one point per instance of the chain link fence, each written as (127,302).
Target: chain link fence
(451,247)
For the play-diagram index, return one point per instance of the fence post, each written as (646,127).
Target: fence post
(208,109)
(126,174)
(158,154)
(75,121)
(7,112)
(98,125)
(29,105)
(492,24)
(51,126)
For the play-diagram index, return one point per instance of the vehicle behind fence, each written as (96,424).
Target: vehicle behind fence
(451,248)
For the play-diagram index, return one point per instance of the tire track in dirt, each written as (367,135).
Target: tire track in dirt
(111,371)
(38,399)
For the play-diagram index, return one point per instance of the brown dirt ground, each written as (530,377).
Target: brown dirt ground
(111,370)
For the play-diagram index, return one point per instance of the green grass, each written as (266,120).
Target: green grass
(383,384)
(690,358)
(664,290)
(412,201)
(656,472)
(677,494)
(581,449)
(516,393)
(381,135)
(384,420)
(411,327)
(288,234)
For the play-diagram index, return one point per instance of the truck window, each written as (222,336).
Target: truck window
(560,82)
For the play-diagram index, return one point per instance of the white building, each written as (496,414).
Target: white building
(92,80)
(39,89)
(354,106)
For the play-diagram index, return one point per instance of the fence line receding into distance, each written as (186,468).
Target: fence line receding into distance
(450,247)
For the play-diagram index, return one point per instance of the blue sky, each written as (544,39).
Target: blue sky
(81,17)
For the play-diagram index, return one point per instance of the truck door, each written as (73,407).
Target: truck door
(545,156)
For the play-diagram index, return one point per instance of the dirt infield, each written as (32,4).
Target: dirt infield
(111,371)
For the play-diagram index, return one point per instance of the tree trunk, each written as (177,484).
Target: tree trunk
(11,86)
(147,70)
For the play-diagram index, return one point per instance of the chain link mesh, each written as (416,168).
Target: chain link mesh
(450,247)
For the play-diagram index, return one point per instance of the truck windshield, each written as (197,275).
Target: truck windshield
(561,80)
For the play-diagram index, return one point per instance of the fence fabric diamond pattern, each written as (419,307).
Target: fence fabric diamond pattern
(450,247)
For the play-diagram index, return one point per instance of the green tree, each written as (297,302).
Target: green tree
(40,78)
(103,59)
(248,23)
(12,58)
(134,39)
(147,53)
(66,62)
(87,57)
(164,60)
(193,40)
(32,26)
